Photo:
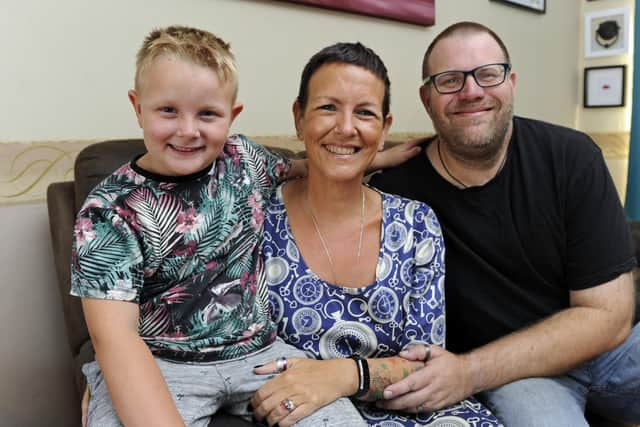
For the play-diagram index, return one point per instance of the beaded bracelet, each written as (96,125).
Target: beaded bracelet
(363,375)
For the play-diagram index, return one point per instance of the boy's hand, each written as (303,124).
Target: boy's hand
(395,155)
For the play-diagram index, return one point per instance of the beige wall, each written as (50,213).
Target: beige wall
(615,119)
(67,66)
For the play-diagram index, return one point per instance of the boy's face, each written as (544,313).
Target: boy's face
(185,113)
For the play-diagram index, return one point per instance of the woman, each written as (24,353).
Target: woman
(355,276)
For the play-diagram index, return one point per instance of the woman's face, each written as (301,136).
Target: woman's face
(342,124)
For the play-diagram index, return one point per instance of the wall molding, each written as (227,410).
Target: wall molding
(28,167)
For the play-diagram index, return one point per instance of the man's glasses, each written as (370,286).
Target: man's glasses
(453,81)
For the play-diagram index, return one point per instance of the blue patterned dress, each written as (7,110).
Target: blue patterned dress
(404,305)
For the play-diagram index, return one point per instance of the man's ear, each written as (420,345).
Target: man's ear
(235,110)
(133,98)
(388,120)
(425,96)
(297,118)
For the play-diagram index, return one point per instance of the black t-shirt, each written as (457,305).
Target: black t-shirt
(551,221)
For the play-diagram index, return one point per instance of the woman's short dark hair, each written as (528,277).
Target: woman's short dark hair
(346,53)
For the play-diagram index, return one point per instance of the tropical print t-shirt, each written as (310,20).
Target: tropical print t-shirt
(185,249)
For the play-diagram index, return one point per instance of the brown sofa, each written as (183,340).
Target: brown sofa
(65,198)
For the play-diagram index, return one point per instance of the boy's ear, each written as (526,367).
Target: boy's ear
(133,98)
(235,110)
(297,118)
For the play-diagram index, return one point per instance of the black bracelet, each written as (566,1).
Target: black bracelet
(362,366)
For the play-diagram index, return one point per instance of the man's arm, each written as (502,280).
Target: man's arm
(598,320)
(136,386)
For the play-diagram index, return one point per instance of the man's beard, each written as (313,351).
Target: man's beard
(470,146)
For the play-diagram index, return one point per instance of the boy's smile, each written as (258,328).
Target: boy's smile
(185,112)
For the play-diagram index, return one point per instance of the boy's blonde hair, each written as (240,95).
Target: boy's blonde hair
(188,44)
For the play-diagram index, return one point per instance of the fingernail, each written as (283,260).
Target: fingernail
(258,366)
(387,394)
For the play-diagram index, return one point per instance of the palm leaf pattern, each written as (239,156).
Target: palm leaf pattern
(156,214)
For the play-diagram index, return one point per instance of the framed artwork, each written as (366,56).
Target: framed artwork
(539,6)
(420,12)
(604,86)
(606,32)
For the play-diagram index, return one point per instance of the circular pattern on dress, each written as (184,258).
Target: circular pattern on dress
(384,267)
(449,421)
(306,321)
(307,290)
(432,224)
(425,251)
(437,330)
(346,338)
(292,251)
(395,236)
(357,307)
(277,270)
(383,305)
(409,211)
(276,306)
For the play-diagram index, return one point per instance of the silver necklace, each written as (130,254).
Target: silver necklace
(460,183)
(324,244)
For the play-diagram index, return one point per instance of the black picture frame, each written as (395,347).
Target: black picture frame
(538,6)
(605,86)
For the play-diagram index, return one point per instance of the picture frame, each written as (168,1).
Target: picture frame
(604,86)
(419,12)
(606,32)
(538,6)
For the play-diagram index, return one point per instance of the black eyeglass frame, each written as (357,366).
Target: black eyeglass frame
(430,79)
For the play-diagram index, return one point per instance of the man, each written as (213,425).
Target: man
(539,288)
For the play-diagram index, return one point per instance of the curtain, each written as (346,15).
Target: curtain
(632,200)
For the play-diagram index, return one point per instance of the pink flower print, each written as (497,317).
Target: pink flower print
(282,169)
(128,216)
(257,214)
(232,152)
(84,231)
(188,221)
(248,281)
(187,250)
(211,265)
(251,331)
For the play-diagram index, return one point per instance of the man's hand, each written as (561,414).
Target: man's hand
(395,155)
(444,380)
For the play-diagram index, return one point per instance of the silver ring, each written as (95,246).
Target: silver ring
(427,352)
(288,405)
(281,364)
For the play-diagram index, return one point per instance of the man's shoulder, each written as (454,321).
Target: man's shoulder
(534,134)
(528,128)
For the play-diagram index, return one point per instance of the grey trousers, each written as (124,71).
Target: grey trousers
(200,390)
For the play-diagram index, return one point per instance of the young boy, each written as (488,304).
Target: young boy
(165,253)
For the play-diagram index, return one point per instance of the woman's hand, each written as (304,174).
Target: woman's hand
(84,406)
(307,384)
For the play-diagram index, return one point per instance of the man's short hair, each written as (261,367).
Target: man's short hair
(463,27)
(188,44)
